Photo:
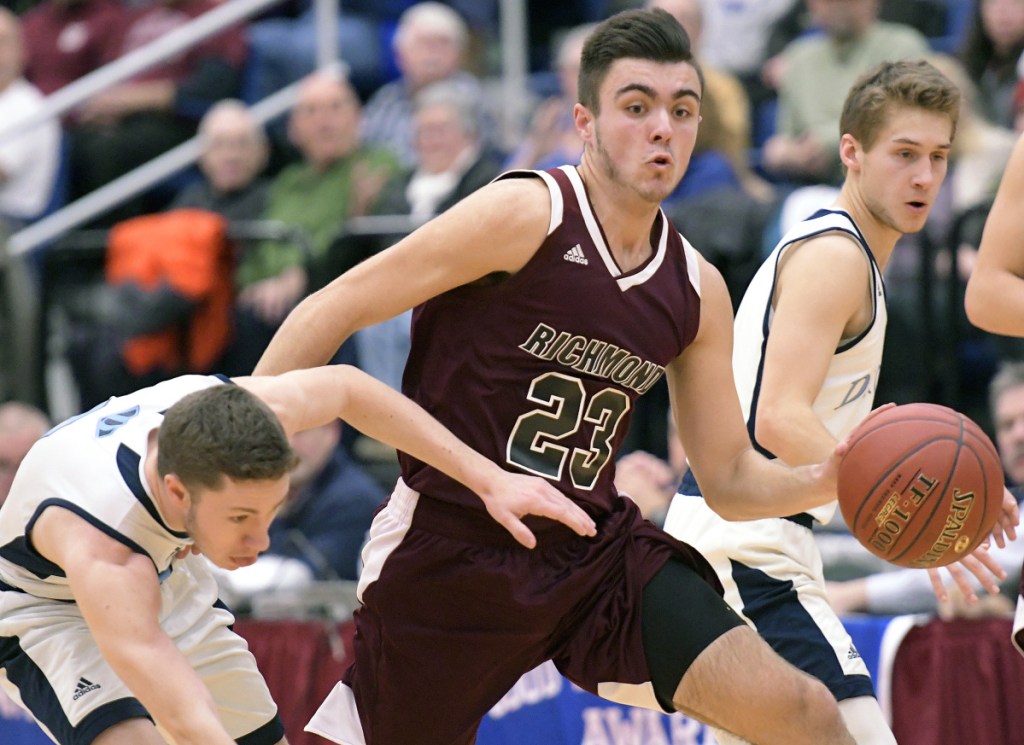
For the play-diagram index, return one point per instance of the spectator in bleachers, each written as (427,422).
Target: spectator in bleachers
(982,146)
(21,424)
(995,42)
(816,72)
(552,139)
(339,177)
(329,508)
(740,36)
(450,164)
(133,122)
(66,39)
(234,154)
(195,259)
(430,46)
(29,157)
(283,49)
(725,110)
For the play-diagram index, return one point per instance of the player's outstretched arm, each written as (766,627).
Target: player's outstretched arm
(495,229)
(307,398)
(995,290)
(118,593)
(737,481)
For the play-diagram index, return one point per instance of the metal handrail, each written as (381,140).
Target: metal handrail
(133,182)
(62,101)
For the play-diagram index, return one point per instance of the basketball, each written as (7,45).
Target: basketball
(921,485)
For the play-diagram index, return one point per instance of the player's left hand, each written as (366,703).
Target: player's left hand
(981,564)
(1005,528)
(513,496)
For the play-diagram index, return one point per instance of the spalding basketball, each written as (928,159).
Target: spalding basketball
(921,485)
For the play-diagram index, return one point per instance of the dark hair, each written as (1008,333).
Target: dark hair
(634,34)
(978,52)
(222,431)
(910,83)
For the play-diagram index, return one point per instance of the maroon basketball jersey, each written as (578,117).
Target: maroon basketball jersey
(540,372)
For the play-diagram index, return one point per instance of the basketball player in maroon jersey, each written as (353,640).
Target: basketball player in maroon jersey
(545,304)
(994,291)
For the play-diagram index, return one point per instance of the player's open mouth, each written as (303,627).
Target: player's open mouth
(917,206)
(660,160)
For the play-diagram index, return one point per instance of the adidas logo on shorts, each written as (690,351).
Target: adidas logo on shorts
(853,654)
(84,686)
(575,254)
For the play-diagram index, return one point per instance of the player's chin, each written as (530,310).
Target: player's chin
(915,215)
(657,192)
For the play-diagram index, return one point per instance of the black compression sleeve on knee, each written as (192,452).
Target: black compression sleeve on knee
(682,616)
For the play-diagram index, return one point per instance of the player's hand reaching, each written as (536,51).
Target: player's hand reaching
(513,496)
(981,564)
(1006,527)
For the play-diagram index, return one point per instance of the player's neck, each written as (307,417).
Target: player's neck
(625,217)
(881,238)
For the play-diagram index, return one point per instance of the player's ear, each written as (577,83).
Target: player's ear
(177,491)
(850,151)
(584,121)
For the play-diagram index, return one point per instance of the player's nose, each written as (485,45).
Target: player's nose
(925,174)
(258,540)
(661,124)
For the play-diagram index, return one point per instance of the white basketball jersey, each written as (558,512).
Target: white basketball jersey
(848,392)
(92,465)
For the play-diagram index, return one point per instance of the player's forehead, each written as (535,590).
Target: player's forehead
(246,496)
(668,80)
(910,125)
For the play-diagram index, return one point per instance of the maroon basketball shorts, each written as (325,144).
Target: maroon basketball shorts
(455,611)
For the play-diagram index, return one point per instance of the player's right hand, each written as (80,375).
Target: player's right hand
(513,496)
(1006,527)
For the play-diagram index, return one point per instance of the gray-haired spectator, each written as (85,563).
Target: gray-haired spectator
(450,164)
(430,46)
(234,154)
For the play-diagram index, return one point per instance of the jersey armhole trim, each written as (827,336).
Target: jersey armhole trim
(89,518)
(692,264)
(557,205)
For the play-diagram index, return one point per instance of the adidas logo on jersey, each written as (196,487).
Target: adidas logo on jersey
(575,254)
(853,654)
(84,686)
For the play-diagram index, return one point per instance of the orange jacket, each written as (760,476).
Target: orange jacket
(188,250)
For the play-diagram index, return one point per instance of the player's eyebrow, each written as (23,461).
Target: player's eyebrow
(912,141)
(650,93)
(252,511)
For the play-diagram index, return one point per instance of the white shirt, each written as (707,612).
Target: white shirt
(736,32)
(29,159)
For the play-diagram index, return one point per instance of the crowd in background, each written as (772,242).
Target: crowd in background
(195,274)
